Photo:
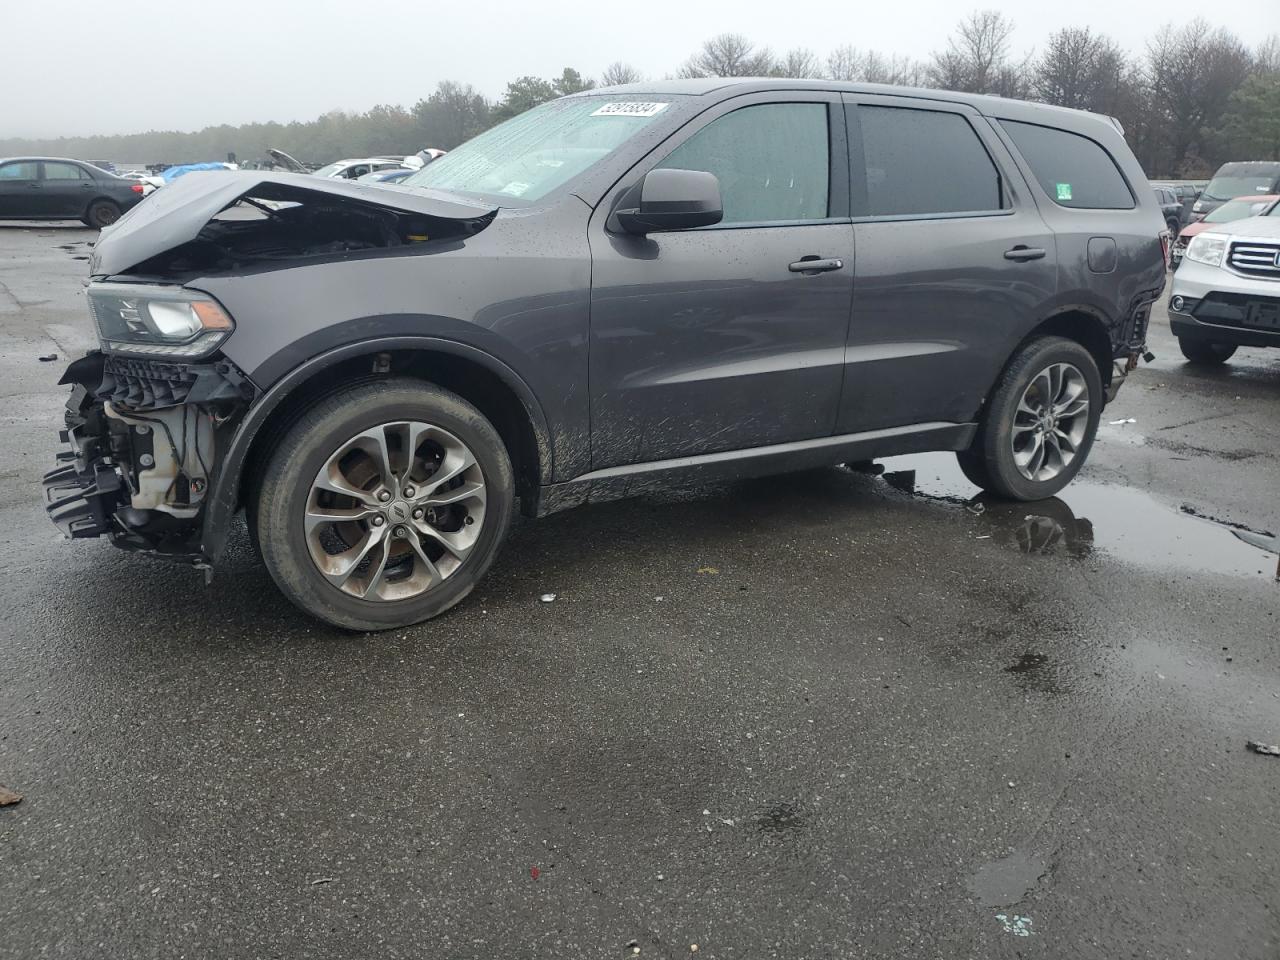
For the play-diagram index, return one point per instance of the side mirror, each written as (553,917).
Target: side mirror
(670,200)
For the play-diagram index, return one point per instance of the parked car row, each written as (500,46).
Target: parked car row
(61,188)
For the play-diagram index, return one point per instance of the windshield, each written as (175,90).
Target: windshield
(528,156)
(1240,183)
(330,170)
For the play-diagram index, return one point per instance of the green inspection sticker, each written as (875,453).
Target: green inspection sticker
(1064,191)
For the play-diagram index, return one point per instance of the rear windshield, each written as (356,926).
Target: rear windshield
(1073,170)
(528,156)
(1243,180)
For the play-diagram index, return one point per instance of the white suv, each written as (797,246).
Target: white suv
(1226,290)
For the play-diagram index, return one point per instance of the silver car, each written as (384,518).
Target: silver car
(1226,291)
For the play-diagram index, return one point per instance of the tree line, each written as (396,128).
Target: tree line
(1194,97)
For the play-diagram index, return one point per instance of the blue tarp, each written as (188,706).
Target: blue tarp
(174,172)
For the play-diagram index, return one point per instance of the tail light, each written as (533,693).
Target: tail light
(1164,247)
(137,188)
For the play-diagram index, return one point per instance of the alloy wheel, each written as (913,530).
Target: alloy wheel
(1050,422)
(395,511)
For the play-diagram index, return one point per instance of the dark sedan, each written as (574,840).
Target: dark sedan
(52,188)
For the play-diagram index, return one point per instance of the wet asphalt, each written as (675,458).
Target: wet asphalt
(824,715)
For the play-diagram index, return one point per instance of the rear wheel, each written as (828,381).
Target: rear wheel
(1040,423)
(1206,351)
(384,505)
(102,213)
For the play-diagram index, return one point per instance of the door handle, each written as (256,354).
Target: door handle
(812,265)
(1021,252)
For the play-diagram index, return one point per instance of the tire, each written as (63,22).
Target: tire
(102,213)
(992,462)
(394,409)
(1206,352)
(974,468)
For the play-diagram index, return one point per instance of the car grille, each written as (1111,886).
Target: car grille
(1256,259)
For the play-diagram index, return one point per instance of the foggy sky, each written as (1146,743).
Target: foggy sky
(79,67)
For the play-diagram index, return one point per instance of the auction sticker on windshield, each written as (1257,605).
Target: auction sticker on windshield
(629,110)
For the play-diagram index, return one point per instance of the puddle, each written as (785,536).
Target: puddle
(1122,522)
(1003,883)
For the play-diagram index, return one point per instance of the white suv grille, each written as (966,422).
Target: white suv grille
(1256,259)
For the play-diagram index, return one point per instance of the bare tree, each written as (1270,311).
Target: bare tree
(1076,68)
(844,63)
(1192,73)
(1266,59)
(799,64)
(453,113)
(902,71)
(729,55)
(976,54)
(618,73)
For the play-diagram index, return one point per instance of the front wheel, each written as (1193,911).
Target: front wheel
(1206,351)
(384,505)
(1040,423)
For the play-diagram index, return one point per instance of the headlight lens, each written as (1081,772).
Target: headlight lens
(1207,248)
(1199,205)
(155,321)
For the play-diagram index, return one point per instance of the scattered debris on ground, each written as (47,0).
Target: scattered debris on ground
(710,571)
(8,798)
(547,597)
(319,880)
(1266,749)
(1018,926)
(49,358)
(1116,423)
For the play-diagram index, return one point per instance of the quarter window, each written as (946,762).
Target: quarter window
(23,170)
(921,162)
(63,171)
(1073,170)
(772,161)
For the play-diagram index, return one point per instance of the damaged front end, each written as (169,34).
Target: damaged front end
(154,411)
(144,439)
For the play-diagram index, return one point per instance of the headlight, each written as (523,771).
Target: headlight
(1207,248)
(155,321)
(1199,205)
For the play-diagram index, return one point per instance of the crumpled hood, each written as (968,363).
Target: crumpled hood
(175,214)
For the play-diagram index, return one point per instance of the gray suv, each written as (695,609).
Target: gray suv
(704,278)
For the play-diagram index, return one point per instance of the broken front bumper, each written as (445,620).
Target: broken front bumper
(143,439)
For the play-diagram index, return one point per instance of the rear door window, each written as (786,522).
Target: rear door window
(63,171)
(1073,170)
(922,162)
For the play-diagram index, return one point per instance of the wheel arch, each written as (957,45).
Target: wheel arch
(1077,322)
(479,378)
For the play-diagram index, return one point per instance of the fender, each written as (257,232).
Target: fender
(223,498)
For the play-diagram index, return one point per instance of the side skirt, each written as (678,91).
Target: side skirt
(631,480)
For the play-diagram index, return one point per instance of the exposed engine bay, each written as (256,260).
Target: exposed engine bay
(143,439)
